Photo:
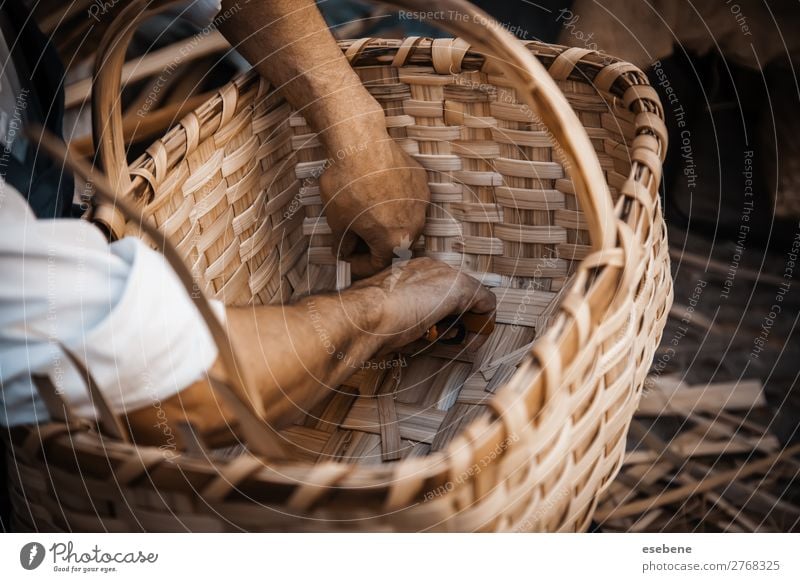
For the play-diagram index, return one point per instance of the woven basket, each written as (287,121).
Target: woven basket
(519,435)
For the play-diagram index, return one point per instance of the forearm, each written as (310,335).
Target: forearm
(292,356)
(295,355)
(289,43)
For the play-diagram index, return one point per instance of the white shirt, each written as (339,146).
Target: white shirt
(119,308)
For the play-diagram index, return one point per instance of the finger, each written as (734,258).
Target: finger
(480,300)
(484,301)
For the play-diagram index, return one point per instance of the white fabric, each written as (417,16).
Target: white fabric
(119,308)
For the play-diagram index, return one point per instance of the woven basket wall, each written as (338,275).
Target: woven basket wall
(521,434)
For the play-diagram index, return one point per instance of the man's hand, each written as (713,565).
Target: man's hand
(378,194)
(294,355)
(417,294)
(373,190)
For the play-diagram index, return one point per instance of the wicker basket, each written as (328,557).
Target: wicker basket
(520,435)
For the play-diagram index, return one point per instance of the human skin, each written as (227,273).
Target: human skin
(290,355)
(374,191)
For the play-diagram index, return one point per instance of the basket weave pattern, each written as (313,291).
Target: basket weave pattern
(520,435)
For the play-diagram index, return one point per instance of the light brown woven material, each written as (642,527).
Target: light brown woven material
(520,435)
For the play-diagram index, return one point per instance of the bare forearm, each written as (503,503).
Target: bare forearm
(295,355)
(292,356)
(289,43)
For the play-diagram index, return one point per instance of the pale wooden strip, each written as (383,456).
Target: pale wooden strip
(305,170)
(398,121)
(478,122)
(390,432)
(342,275)
(236,290)
(234,161)
(225,263)
(571,219)
(521,306)
(476,212)
(474,178)
(529,199)
(513,112)
(518,137)
(572,252)
(700,448)
(475,149)
(529,169)
(742,395)
(479,245)
(316,226)
(530,234)
(434,132)
(421,75)
(438,163)
(526,267)
(707,484)
(152,63)
(415,423)
(321,256)
(277,201)
(417,108)
(305,141)
(442,227)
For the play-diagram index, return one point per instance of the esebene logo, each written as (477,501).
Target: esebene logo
(31,555)
(66,558)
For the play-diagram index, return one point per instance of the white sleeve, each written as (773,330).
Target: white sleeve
(118,308)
